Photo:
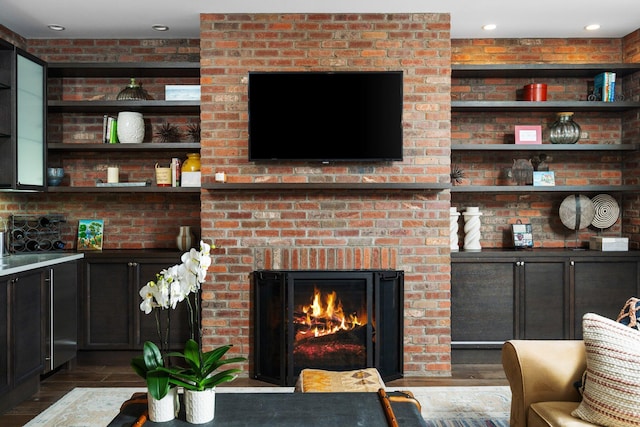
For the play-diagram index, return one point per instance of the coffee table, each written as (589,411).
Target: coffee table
(291,410)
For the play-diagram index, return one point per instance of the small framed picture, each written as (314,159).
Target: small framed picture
(544,179)
(522,235)
(528,134)
(90,234)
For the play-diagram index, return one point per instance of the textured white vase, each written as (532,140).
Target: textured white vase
(454,215)
(200,406)
(472,229)
(130,127)
(165,409)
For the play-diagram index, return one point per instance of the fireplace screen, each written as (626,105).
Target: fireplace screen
(335,320)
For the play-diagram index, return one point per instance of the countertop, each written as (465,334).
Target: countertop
(18,263)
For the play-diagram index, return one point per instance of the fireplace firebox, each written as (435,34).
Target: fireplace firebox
(328,319)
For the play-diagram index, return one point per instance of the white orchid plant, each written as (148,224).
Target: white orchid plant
(172,286)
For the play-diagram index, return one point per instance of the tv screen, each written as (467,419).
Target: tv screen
(325,116)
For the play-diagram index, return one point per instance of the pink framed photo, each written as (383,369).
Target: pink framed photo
(528,134)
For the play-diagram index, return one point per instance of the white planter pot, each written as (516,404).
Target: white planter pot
(165,409)
(200,406)
(130,127)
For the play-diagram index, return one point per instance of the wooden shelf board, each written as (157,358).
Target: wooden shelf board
(544,147)
(124,69)
(149,189)
(160,106)
(360,186)
(540,70)
(145,146)
(512,106)
(543,189)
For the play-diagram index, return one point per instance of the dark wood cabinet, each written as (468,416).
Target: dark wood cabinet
(4,336)
(62,319)
(501,295)
(112,319)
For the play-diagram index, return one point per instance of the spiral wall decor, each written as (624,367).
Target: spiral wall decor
(606,211)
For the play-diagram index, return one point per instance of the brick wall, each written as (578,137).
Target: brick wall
(329,229)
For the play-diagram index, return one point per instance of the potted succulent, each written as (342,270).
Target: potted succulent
(199,379)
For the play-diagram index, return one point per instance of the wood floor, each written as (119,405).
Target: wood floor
(90,370)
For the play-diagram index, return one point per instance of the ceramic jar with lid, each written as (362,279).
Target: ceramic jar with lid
(192,164)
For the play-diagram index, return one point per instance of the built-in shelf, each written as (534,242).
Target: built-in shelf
(153,106)
(539,70)
(513,106)
(544,147)
(149,189)
(124,69)
(359,186)
(145,146)
(544,189)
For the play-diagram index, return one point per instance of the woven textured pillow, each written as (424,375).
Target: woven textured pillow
(612,392)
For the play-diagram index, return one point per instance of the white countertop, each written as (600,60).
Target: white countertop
(18,263)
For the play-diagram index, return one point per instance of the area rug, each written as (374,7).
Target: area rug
(478,406)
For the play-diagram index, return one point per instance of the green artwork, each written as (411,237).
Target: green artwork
(90,234)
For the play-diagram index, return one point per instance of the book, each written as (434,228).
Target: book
(109,129)
(604,86)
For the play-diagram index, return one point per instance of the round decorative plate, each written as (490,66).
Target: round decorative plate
(576,212)
(606,211)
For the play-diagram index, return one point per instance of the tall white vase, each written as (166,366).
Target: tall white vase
(130,127)
(472,229)
(200,406)
(165,409)
(454,215)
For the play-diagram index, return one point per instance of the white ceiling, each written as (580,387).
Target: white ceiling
(134,18)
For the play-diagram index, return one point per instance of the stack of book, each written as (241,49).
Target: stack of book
(109,130)
(604,87)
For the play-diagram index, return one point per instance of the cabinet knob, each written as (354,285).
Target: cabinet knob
(572,263)
(133,264)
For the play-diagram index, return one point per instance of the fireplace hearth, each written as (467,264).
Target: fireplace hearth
(327,319)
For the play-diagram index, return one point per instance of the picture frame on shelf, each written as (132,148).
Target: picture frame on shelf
(522,235)
(528,134)
(544,179)
(90,234)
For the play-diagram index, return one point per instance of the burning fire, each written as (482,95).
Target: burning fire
(324,316)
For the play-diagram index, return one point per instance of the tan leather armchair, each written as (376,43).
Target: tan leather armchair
(541,375)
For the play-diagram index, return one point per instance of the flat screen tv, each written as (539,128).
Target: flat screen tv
(325,116)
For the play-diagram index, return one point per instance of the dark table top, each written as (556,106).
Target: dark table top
(291,410)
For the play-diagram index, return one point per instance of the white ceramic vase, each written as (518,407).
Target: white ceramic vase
(200,406)
(130,127)
(472,229)
(454,215)
(165,409)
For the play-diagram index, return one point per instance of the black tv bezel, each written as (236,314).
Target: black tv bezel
(328,160)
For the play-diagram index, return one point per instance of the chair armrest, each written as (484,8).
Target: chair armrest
(541,371)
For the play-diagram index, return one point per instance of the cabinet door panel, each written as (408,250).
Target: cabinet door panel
(107,304)
(27,319)
(603,288)
(482,301)
(4,336)
(544,300)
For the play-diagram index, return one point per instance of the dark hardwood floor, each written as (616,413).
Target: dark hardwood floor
(112,370)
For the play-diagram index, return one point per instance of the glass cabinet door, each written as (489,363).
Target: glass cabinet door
(30,107)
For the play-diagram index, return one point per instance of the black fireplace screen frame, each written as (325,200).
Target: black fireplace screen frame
(273,292)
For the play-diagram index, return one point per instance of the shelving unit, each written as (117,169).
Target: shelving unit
(87,110)
(360,186)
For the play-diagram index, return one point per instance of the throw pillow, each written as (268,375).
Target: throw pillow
(612,392)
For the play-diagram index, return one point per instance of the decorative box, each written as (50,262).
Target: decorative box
(609,244)
(190,179)
(182,92)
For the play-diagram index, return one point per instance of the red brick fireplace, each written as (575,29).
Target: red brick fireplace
(327,228)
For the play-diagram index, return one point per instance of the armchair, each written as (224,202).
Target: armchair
(541,374)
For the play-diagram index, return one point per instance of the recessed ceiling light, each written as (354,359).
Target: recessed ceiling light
(489,27)
(159,27)
(56,27)
(592,27)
